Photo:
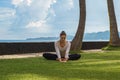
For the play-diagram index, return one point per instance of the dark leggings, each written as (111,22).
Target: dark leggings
(51,56)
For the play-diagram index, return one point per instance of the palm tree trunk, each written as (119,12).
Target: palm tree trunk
(77,40)
(114,36)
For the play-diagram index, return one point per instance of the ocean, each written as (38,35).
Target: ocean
(14,41)
(21,41)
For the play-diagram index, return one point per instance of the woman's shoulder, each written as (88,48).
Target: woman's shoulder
(68,42)
(56,42)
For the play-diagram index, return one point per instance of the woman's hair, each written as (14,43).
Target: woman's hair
(62,33)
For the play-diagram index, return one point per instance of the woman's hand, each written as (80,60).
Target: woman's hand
(59,59)
(62,59)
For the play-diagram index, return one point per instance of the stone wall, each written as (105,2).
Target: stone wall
(35,47)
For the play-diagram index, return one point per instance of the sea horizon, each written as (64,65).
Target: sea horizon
(12,41)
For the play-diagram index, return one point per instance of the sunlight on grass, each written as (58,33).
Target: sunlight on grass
(102,62)
(33,77)
(25,77)
(91,66)
(111,48)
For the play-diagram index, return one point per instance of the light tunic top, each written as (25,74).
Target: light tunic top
(62,51)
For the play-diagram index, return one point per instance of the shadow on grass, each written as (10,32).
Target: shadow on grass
(111,48)
(39,68)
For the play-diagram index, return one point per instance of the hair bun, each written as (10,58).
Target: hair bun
(62,33)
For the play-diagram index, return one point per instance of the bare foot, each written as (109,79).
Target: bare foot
(63,61)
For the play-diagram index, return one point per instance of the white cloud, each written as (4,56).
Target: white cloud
(34,16)
(38,27)
(38,10)
(29,2)
(19,2)
(6,12)
(37,24)
(70,4)
(52,12)
(16,2)
(7,16)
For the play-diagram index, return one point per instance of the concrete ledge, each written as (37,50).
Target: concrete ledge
(36,47)
(94,45)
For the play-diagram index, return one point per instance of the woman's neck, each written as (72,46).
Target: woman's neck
(62,43)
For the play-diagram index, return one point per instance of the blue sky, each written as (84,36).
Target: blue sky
(21,19)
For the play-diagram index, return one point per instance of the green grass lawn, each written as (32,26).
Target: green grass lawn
(91,66)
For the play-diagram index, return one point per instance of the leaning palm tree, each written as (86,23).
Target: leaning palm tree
(77,40)
(114,35)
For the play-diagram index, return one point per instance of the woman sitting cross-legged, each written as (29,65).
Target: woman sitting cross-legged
(62,48)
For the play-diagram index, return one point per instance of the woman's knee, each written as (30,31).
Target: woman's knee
(79,55)
(46,54)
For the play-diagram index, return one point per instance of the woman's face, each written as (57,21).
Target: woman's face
(63,37)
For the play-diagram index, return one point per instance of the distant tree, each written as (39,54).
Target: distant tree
(114,35)
(77,40)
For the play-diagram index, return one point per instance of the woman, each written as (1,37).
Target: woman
(62,48)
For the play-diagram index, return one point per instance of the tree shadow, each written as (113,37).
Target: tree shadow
(53,70)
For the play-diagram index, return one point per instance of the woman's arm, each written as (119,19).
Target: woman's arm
(57,50)
(67,50)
